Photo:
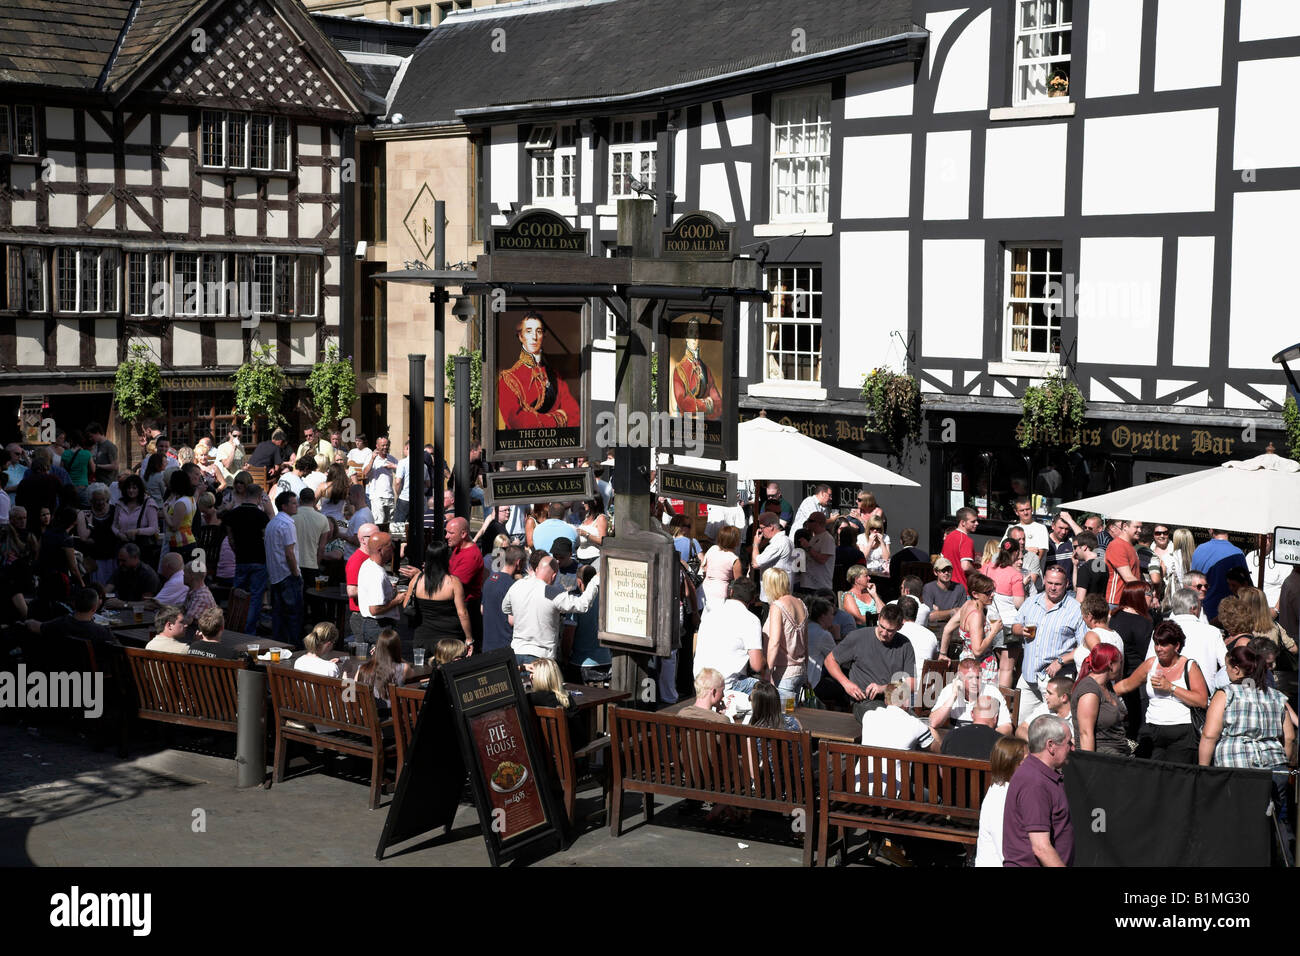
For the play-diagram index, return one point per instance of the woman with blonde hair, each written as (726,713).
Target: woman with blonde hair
(449,649)
(786,630)
(1263,624)
(861,600)
(319,642)
(989,556)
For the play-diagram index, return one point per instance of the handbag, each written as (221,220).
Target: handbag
(411,609)
(1198,713)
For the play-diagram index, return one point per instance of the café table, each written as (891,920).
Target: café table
(231,640)
(333,599)
(822,724)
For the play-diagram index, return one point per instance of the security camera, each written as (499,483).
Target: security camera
(361,249)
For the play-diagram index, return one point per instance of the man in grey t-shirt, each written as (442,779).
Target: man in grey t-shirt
(874,656)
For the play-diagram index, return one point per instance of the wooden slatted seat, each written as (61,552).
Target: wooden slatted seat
(729,764)
(935,676)
(406,703)
(237,610)
(555,731)
(906,792)
(193,691)
(303,702)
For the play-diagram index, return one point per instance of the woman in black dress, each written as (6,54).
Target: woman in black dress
(439,597)
(1132,622)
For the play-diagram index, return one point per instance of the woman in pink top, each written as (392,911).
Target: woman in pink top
(720,567)
(1008,595)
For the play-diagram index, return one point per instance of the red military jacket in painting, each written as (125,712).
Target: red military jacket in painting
(530,395)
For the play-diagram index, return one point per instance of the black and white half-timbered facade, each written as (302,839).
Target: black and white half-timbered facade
(169,176)
(977,194)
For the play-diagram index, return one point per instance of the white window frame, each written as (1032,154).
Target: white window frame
(1039,67)
(633,154)
(556,151)
(9,130)
(1050,306)
(105,296)
(798,305)
(806,168)
(248,125)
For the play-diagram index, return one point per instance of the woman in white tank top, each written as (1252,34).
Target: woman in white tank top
(1175,685)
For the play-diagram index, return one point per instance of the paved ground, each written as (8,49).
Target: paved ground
(64,804)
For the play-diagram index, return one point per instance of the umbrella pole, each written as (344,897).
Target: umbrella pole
(1262,557)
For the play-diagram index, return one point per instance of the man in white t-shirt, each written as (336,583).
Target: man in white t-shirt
(957,701)
(377,597)
(911,586)
(894,726)
(731,638)
(1202,642)
(819,556)
(779,552)
(1036,537)
(378,474)
(924,641)
(358,456)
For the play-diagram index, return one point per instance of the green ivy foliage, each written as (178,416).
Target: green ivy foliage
(333,387)
(475,381)
(137,387)
(894,405)
(1291,422)
(1053,414)
(259,388)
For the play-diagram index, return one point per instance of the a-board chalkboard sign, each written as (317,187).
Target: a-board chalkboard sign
(433,776)
(479,709)
(510,772)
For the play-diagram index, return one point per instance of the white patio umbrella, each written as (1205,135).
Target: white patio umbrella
(1253,496)
(774,452)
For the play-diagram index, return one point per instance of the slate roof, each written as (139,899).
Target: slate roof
(104,46)
(566,51)
(64,44)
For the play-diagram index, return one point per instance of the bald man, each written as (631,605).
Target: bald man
(376,595)
(467,564)
(171,571)
(352,571)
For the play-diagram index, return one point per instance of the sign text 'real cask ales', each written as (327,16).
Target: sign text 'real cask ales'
(697,234)
(524,487)
(539,230)
(712,487)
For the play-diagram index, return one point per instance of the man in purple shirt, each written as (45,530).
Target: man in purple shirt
(1036,829)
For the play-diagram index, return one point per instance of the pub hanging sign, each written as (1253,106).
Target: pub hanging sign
(540,231)
(697,234)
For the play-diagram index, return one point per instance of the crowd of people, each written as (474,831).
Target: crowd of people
(1116,637)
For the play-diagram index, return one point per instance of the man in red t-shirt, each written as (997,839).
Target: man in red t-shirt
(958,546)
(467,564)
(351,572)
(1121,559)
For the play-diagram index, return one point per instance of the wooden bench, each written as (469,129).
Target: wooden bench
(406,703)
(907,792)
(191,691)
(555,731)
(728,764)
(303,701)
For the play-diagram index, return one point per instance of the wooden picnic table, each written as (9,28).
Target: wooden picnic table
(822,724)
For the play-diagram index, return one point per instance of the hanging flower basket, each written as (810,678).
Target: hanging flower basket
(894,406)
(1052,414)
(1058,84)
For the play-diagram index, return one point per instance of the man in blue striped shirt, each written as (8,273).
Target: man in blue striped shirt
(1059,629)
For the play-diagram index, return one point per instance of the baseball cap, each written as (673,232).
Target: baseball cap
(941,562)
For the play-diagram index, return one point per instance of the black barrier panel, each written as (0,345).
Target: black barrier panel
(1129,812)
